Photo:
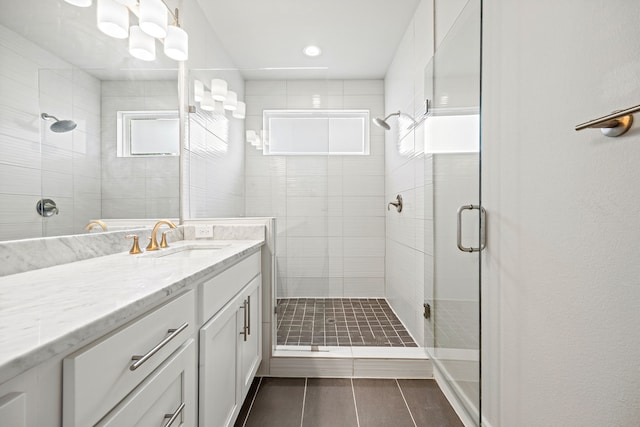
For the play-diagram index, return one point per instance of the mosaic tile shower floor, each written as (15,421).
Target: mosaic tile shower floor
(340,322)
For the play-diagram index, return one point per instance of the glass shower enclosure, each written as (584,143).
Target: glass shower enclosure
(454,238)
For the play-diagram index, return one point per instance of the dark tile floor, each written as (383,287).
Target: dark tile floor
(340,322)
(344,402)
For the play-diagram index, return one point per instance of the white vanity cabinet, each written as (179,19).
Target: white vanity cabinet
(231,345)
(99,376)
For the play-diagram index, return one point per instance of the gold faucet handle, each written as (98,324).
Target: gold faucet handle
(163,242)
(135,249)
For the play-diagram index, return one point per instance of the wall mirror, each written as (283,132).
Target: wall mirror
(63,83)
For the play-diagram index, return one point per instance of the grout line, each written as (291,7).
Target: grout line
(355,404)
(304,399)
(252,401)
(405,403)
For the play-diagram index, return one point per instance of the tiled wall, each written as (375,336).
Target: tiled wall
(143,187)
(35,162)
(329,209)
(409,242)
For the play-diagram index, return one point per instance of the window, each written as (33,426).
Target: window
(148,133)
(316,132)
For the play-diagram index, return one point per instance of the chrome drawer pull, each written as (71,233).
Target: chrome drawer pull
(174,416)
(139,360)
(244,327)
(249,315)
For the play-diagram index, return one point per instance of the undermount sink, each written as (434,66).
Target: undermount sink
(187,251)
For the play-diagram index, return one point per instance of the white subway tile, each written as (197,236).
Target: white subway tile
(364,267)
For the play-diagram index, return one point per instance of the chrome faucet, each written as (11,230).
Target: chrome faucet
(153,244)
(95,222)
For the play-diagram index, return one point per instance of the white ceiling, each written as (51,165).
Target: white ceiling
(358,38)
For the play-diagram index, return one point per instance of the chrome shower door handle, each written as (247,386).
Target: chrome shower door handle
(483,228)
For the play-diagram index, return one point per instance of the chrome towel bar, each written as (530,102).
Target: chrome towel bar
(614,124)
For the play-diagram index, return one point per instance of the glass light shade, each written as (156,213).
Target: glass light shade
(240,111)
(198,90)
(219,89)
(113,19)
(231,101)
(80,3)
(141,45)
(176,43)
(207,103)
(153,18)
(251,136)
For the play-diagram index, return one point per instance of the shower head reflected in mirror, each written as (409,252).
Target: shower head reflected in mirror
(383,122)
(59,126)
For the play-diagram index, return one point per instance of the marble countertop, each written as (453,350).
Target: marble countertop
(49,311)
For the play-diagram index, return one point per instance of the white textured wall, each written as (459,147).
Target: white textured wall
(137,187)
(561,277)
(329,209)
(35,162)
(409,254)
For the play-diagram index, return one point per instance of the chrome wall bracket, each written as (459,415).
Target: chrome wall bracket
(614,124)
(397,203)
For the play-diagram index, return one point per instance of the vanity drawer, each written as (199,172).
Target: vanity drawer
(168,390)
(220,289)
(100,375)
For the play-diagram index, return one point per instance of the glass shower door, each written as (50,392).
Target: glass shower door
(452,147)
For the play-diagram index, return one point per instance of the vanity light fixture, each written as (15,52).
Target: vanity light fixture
(240,111)
(219,89)
(141,45)
(312,50)
(153,18)
(176,43)
(113,19)
(198,90)
(80,3)
(231,101)
(207,103)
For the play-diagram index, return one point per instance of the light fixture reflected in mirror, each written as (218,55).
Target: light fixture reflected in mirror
(141,45)
(240,111)
(113,19)
(219,89)
(207,103)
(231,101)
(198,90)
(153,18)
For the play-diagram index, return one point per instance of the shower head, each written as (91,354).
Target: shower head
(383,122)
(59,126)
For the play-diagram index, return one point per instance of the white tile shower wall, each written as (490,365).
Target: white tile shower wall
(137,187)
(408,253)
(35,162)
(329,209)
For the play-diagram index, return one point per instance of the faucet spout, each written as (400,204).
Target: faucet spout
(153,244)
(95,222)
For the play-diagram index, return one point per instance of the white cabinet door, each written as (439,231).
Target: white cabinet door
(220,391)
(251,349)
(13,410)
(169,390)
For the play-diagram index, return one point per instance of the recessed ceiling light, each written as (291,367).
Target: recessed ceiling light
(312,50)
